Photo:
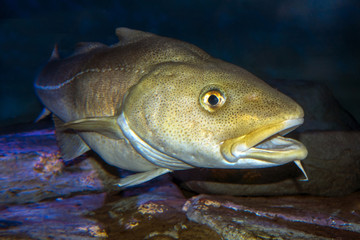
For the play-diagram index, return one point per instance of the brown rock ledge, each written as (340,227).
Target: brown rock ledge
(43,198)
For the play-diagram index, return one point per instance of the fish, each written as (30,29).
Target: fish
(153,105)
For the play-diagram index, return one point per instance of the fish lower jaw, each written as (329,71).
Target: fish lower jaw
(266,144)
(274,151)
(278,150)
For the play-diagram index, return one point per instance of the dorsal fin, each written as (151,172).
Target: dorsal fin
(55,53)
(84,47)
(127,36)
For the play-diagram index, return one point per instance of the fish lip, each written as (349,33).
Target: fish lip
(266,145)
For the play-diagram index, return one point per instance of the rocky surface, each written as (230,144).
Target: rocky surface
(41,197)
(296,217)
(61,218)
(31,169)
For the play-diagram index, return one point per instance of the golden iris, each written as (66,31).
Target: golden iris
(212,100)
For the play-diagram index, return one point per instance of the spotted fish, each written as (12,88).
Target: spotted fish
(153,104)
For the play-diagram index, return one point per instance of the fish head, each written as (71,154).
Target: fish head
(213,114)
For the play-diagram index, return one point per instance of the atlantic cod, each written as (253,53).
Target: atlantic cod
(153,104)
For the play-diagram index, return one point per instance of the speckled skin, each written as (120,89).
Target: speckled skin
(162,79)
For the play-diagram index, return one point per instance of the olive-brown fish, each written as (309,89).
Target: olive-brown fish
(153,104)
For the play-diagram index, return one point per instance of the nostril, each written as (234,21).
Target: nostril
(252,97)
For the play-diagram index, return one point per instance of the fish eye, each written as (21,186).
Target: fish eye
(212,99)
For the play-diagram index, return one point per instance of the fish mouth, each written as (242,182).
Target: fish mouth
(266,146)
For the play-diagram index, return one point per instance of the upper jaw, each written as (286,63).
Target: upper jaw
(266,145)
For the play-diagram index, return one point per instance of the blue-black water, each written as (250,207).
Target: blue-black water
(308,40)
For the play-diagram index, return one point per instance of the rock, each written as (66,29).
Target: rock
(333,168)
(154,214)
(78,200)
(295,217)
(31,170)
(56,219)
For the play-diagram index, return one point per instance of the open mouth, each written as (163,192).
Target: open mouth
(267,146)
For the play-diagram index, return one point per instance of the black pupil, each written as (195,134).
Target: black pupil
(213,100)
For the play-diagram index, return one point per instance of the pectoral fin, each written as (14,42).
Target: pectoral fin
(70,143)
(139,178)
(106,126)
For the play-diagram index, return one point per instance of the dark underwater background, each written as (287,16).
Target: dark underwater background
(286,39)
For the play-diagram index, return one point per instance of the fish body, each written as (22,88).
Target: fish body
(153,104)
